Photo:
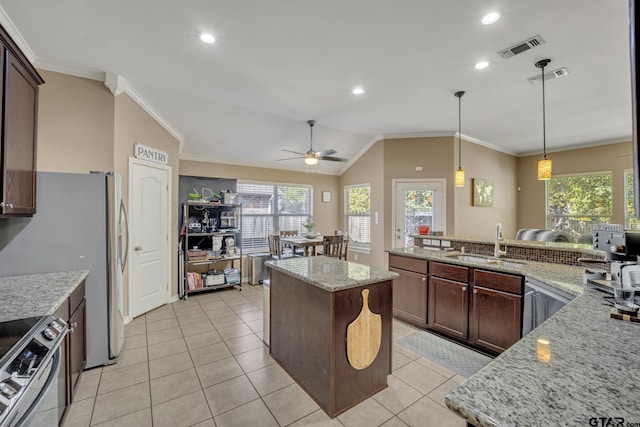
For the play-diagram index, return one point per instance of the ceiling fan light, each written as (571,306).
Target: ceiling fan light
(310,160)
(459,178)
(544,169)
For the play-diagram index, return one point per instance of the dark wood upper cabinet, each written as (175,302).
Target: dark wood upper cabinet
(19,83)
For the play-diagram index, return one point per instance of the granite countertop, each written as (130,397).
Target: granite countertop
(565,278)
(330,274)
(558,246)
(36,294)
(593,370)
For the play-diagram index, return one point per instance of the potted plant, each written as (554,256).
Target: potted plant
(308,224)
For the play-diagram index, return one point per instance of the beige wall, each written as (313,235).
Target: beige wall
(368,170)
(401,156)
(475,221)
(83,127)
(133,125)
(531,197)
(75,125)
(325,215)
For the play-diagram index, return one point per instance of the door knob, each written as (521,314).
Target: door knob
(137,248)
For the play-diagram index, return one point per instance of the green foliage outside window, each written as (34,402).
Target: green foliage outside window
(359,201)
(576,204)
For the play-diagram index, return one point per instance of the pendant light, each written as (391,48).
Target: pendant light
(459,176)
(544,164)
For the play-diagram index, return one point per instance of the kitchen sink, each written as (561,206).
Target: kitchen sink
(486,260)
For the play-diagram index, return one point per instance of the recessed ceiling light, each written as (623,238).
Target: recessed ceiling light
(207,38)
(482,65)
(491,18)
(357,91)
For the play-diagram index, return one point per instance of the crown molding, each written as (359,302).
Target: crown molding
(434,134)
(579,146)
(71,70)
(13,32)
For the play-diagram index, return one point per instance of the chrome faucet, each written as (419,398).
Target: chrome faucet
(497,251)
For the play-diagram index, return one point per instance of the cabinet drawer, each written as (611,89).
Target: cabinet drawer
(406,263)
(498,281)
(76,298)
(448,271)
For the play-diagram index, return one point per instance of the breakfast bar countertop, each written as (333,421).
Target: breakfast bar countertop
(330,274)
(591,371)
(36,294)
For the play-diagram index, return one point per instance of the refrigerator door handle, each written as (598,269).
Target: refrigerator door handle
(124,227)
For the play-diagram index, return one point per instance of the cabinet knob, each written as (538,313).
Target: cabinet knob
(137,248)
(424,279)
(475,291)
(464,289)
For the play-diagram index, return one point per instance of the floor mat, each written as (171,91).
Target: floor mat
(455,357)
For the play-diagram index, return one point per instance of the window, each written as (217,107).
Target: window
(577,204)
(630,219)
(269,208)
(357,215)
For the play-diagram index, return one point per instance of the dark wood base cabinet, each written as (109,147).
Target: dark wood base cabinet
(448,304)
(73,350)
(496,310)
(410,289)
(479,307)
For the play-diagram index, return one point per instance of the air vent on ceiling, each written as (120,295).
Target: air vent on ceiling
(560,72)
(521,47)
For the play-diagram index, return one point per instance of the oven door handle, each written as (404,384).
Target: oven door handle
(53,373)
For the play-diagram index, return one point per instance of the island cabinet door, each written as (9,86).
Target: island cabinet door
(410,297)
(448,307)
(495,319)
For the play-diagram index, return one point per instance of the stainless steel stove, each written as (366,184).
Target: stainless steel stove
(29,364)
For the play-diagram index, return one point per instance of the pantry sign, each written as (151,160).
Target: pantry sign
(148,153)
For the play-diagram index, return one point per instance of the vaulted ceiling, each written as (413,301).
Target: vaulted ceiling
(276,64)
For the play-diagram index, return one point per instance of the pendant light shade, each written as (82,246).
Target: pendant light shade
(459,175)
(544,164)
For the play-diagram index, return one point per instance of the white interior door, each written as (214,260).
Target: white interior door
(419,202)
(149,228)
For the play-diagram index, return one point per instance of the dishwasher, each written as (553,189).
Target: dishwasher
(541,301)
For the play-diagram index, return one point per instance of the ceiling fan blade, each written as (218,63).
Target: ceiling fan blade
(333,159)
(290,158)
(294,152)
(326,152)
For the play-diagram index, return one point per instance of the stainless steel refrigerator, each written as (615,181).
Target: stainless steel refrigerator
(80,224)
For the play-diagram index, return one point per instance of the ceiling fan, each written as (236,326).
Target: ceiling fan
(311,157)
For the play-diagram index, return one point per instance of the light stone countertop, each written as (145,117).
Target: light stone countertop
(593,370)
(36,294)
(330,274)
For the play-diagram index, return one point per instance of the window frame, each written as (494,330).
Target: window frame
(274,215)
(363,247)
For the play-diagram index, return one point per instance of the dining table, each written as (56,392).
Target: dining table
(306,244)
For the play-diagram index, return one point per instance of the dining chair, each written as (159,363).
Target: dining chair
(290,233)
(332,246)
(276,248)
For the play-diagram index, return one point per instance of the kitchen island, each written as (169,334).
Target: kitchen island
(330,328)
(577,368)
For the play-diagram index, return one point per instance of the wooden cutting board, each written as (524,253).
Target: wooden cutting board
(364,336)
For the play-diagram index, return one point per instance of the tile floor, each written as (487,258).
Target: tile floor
(201,362)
